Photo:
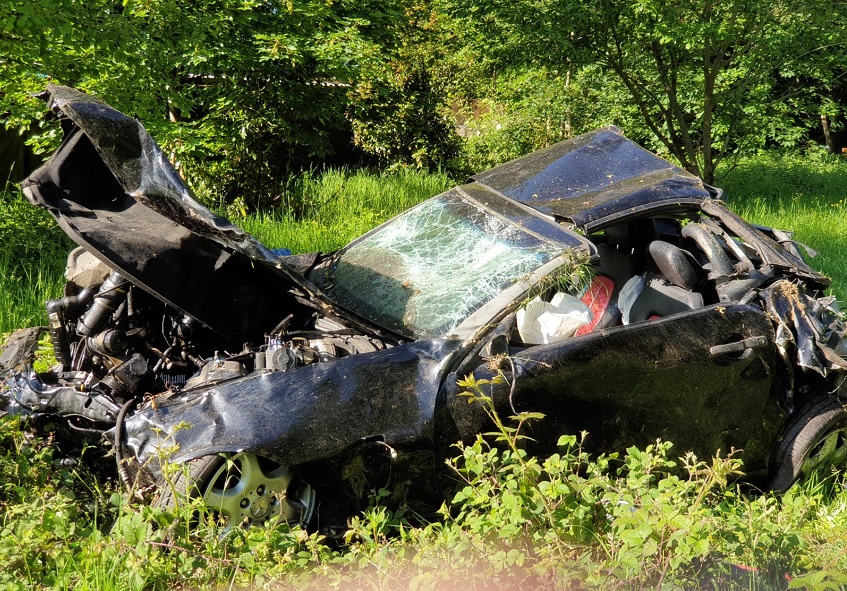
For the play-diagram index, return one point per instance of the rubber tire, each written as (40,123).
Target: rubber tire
(193,483)
(807,428)
(188,484)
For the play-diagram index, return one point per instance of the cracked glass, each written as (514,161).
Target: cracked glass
(427,270)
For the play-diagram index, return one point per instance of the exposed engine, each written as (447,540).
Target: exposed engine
(114,344)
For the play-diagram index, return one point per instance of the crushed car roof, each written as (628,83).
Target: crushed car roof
(596,178)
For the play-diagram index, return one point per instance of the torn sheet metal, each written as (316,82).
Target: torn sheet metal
(299,416)
(113,192)
(772,253)
(20,347)
(801,336)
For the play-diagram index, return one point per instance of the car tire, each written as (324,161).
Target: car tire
(242,489)
(814,440)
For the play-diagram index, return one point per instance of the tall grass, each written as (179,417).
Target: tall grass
(805,195)
(336,206)
(32,259)
(25,287)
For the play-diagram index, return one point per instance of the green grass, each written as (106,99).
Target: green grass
(32,261)
(805,196)
(337,206)
(25,287)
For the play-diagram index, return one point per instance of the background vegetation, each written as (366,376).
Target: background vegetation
(242,92)
(278,112)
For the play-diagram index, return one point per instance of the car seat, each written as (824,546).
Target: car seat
(670,283)
(612,271)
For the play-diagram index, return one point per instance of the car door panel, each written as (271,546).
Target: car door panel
(705,379)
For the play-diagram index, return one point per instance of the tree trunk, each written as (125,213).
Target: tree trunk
(827,134)
(709,171)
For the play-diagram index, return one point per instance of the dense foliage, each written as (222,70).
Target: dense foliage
(700,80)
(236,91)
(240,92)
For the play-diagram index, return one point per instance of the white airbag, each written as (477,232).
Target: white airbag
(541,323)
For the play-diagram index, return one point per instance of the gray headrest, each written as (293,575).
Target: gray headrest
(673,264)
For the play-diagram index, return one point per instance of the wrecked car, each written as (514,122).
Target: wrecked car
(616,293)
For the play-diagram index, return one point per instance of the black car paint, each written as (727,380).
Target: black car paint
(629,385)
(596,178)
(301,416)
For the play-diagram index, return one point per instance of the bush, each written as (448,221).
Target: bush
(533,108)
(28,233)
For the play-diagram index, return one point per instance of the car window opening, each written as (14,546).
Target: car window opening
(647,269)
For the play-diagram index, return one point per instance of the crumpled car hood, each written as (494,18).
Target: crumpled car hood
(113,192)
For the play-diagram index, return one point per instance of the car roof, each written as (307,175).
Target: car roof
(596,179)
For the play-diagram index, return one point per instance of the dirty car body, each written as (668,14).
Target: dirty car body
(181,337)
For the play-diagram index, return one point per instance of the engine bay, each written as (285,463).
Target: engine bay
(117,345)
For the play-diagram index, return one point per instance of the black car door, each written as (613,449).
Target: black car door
(705,379)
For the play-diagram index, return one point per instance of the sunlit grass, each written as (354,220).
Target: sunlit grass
(25,288)
(32,260)
(338,206)
(801,195)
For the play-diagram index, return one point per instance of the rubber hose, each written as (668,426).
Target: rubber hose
(119,435)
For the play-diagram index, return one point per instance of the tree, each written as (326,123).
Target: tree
(816,86)
(236,91)
(401,113)
(704,75)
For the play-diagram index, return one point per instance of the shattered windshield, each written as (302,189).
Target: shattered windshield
(426,271)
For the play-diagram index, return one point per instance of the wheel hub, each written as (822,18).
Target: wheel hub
(250,489)
(260,508)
